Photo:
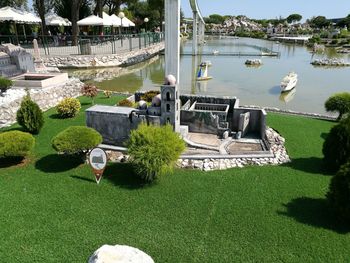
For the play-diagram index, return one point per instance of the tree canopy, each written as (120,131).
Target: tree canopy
(294,18)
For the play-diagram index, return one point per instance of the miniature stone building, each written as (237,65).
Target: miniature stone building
(14,60)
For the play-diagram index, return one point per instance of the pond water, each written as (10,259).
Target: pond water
(231,77)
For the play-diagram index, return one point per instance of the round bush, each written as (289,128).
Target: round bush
(339,102)
(76,140)
(30,116)
(125,103)
(15,144)
(154,150)
(68,107)
(336,148)
(339,193)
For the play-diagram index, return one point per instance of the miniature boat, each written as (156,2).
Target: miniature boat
(253,62)
(289,81)
(203,71)
(215,52)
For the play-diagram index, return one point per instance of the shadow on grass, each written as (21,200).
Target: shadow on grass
(314,212)
(123,175)
(312,165)
(324,135)
(55,116)
(83,179)
(86,103)
(11,161)
(56,163)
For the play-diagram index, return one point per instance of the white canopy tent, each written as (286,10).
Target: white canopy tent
(107,20)
(126,22)
(55,20)
(116,20)
(91,21)
(30,18)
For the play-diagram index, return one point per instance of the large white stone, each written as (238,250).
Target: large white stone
(119,254)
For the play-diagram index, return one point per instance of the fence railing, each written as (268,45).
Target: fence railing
(62,45)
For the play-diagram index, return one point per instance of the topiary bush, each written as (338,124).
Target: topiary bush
(339,193)
(89,91)
(68,107)
(154,150)
(125,103)
(336,148)
(15,144)
(339,102)
(148,96)
(30,116)
(108,93)
(5,84)
(76,140)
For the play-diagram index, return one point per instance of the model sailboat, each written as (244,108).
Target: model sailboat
(203,71)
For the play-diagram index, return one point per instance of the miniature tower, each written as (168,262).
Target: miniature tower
(170,106)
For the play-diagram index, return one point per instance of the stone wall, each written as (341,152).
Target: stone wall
(46,98)
(100,61)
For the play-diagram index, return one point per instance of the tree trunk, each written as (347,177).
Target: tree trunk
(75,17)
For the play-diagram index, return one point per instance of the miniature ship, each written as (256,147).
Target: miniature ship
(203,71)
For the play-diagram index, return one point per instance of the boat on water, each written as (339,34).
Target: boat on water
(203,71)
(289,82)
(215,52)
(253,62)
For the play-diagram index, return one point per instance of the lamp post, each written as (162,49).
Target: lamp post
(146,21)
(121,15)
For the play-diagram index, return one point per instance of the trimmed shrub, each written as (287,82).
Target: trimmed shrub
(339,193)
(68,107)
(148,96)
(30,116)
(15,144)
(76,140)
(125,103)
(89,91)
(339,102)
(154,150)
(5,84)
(336,148)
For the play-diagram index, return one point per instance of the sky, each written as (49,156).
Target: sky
(260,9)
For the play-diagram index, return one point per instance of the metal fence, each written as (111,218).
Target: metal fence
(87,45)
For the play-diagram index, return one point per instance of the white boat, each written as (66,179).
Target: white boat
(215,52)
(253,62)
(289,81)
(203,71)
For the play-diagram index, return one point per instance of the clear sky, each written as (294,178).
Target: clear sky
(271,8)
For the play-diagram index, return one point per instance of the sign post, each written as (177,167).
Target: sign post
(98,162)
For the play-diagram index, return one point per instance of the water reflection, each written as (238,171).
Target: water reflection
(288,96)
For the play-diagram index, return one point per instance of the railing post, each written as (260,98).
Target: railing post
(140,44)
(130,42)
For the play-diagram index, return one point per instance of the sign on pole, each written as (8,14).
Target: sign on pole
(98,162)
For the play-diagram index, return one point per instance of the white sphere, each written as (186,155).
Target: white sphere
(142,105)
(156,101)
(170,80)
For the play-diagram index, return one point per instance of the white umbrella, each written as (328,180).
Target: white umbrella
(91,21)
(107,20)
(55,20)
(116,21)
(126,22)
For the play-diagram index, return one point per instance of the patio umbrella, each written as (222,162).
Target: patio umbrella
(91,21)
(55,20)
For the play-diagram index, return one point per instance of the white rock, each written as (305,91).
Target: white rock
(119,254)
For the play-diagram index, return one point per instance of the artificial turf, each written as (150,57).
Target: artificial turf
(53,211)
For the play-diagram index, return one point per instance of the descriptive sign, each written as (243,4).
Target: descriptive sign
(98,162)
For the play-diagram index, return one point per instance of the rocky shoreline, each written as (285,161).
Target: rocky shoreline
(101,61)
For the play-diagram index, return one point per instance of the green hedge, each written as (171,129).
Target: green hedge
(15,144)
(76,140)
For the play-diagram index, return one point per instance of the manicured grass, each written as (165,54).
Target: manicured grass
(53,211)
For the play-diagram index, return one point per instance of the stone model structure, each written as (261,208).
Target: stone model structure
(14,60)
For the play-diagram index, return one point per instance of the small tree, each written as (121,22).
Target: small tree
(5,84)
(89,91)
(30,116)
(339,193)
(336,148)
(154,150)
(339,102)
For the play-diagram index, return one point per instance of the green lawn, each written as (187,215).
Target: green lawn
(53,211)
